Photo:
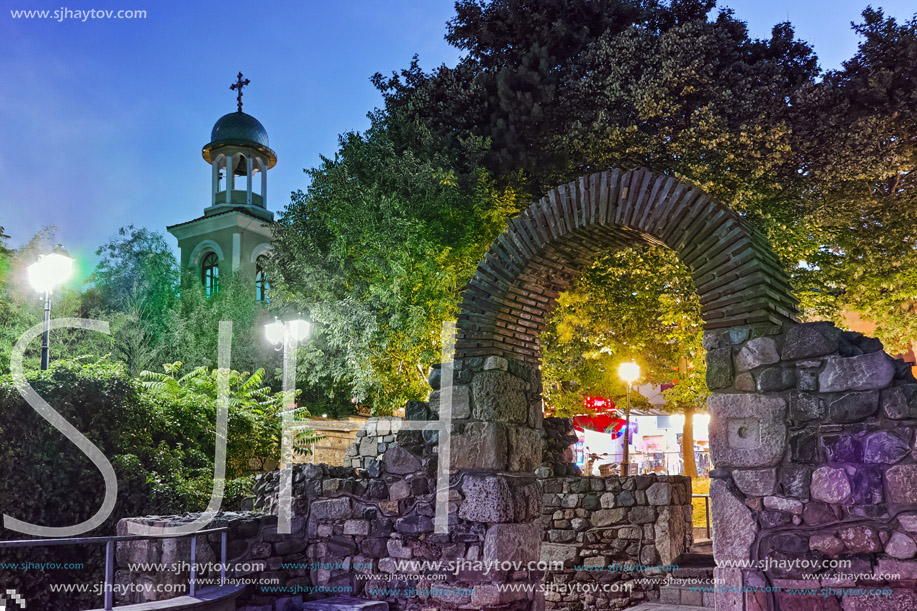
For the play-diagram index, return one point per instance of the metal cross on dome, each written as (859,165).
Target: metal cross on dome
(239,84)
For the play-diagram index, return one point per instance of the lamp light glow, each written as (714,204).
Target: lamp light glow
(50,271)
(274,332)
(299,329)
(629,372)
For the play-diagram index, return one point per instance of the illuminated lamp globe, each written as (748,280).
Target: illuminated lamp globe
(299,329)
(274,332)
(629,372)
(50,271)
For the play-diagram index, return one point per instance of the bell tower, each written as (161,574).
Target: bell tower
(238,152)
(234,231)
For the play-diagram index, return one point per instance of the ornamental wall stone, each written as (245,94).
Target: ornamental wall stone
(835,478)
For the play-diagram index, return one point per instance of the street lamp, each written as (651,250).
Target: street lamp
(286,336)
(46,274)
(629,373)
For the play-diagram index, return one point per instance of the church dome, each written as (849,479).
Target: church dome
(239,129)
(239,126)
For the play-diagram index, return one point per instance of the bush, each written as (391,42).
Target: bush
(161,451)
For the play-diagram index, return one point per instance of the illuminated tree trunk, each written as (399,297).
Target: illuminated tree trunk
(687,442)
(687,435)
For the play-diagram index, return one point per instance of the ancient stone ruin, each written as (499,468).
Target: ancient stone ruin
(812,438)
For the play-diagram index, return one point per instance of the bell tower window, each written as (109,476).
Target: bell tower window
(262,285)
(210,274)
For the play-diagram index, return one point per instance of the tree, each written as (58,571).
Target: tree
(377,250)
(193,325)
(631,304)
(549,90)
(546,91)
(136,286)
(855,131)
(253,435)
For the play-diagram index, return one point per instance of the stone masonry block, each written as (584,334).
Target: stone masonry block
(757,352)
(864,372)
(747,430)
(480,445)
(498,396)
(513,542)
(461,402)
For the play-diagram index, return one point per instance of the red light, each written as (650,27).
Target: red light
(598,404)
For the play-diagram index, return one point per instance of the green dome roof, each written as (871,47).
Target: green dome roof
(241,127)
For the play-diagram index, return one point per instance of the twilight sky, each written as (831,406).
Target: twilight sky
(102,122)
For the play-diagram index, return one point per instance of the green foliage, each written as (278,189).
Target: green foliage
(631,304)
(188,403)
(559,88)
(390,230)
(377,251)
(137,266)
(159,435)
(855,130)
(194,322)
(46,480)
(135,286)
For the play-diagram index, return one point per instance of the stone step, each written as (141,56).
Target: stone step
(683,596)
(345,603)
(702,546)
(692,572)
(694,559)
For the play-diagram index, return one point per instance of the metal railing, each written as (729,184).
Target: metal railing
(706,498)
(110,553)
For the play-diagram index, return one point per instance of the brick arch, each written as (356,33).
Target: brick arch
(508,301)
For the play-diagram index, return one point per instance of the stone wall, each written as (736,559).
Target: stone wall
(377,434)
(557,453)
(350,530)
(359,523)
(597,526)
(812,434)
(370,442)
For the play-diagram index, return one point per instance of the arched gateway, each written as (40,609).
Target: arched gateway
(811,428)
(506,304)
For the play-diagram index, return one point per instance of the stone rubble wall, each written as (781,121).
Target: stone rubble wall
(358,524)
(557,453)
(378,434)
(349,529)
(595,526)
(812,435)
(371,441)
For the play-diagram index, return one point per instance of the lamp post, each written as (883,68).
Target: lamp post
(46,274)
(286,336)
(629,373)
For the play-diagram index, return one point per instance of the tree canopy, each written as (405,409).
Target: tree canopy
(387,234)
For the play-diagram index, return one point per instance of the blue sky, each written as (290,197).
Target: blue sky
(102,122)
